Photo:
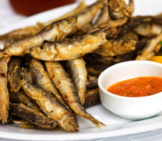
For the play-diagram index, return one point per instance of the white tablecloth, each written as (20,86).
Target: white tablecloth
(8,16)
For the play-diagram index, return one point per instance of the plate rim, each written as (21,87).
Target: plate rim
(89,136)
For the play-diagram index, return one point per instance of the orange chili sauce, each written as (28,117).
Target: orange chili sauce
(137,87)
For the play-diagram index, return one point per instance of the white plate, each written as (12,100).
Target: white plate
(115,125)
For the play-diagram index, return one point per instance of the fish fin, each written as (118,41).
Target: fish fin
(94,121)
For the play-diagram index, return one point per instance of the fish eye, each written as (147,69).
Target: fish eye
(41,47)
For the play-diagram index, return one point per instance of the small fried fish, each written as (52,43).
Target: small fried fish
(42,80)
(78,72)
(65,85)
(32,116)
(57,30)
(70,48)
(52,107)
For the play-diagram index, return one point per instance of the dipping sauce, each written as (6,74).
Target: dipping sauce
(137,87)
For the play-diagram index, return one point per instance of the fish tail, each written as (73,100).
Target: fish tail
(82,99)
(96,122)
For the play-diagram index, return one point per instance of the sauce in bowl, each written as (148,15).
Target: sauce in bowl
(137,87)
(135,106)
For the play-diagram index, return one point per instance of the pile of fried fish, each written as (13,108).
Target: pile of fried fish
(49,71)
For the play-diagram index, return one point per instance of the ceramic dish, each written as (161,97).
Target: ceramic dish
(133,108)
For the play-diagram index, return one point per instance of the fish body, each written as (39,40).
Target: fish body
(21,97)
(4,94)
(14,74)
(42,80)
(68,49)
(32,116)
(78,72)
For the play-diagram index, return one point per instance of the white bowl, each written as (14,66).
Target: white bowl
(134,108)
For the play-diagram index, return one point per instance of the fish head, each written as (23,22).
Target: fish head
(44,52)
(69,123)
(67,27)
